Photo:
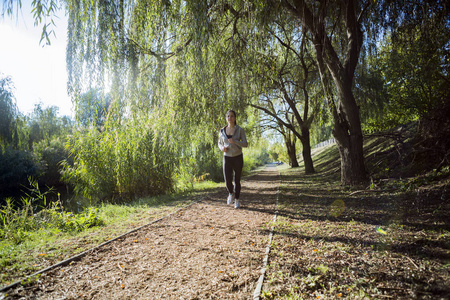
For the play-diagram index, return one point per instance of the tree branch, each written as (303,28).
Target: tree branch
(160,56)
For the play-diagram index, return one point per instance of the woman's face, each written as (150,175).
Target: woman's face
(231,118)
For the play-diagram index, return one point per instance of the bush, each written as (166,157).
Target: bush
(15,168)
(209,161)
(67,221)
(18,219)
(92,173)
(15,220)
(119,164)
(50,155)
(433,140)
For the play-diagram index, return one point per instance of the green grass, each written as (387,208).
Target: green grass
(50,243)
(388,239)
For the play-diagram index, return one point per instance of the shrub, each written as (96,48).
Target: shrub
(67,221)
(255,157)
(119,164)
(18,219)
(50,155)
(15,168)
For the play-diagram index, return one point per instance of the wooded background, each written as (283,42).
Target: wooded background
(151,82)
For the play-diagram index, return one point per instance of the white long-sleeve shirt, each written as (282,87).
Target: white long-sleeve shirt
(239,138)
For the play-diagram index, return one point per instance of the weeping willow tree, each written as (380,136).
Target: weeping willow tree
(170,87)
(131,46)
(163,57)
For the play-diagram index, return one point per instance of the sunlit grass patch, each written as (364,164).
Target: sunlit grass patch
(206,184)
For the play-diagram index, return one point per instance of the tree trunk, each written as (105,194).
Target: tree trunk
(292,153)
(348,134)
(350,145)
(347,124)
(306,152)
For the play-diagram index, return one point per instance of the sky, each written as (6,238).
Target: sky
(38,71)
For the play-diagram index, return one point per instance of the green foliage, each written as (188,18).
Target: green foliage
(119,163)
(255,156)
(36,150)
(45,124)
(278,153)
(16,222)
(50,155)
(67,221)
(372,95)
(413,67)
(92,172)
(33,212)
(8,111)
(35,195)
(15,168)
(209,161)
(92,107)
(205,163)
(21,134)
(30,146)
(321,132)
(17,218)
(184,177)
(143,162)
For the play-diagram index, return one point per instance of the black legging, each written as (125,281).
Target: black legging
(231,164)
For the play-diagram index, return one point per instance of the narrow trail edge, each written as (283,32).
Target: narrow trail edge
(257,293)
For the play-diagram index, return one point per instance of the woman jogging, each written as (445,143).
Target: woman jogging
(231,140)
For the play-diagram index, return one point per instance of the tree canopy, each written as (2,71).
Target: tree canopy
(8,110)
(177,66)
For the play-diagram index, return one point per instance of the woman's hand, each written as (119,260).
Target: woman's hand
(225,149)
(231,141)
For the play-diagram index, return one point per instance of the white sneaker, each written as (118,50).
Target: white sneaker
(230,199)
(237,204)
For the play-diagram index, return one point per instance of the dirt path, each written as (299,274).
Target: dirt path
(207,251)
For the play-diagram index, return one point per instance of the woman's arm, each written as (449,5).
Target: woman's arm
(221,142)
(242,140)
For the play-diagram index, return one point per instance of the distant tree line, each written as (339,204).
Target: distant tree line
(104,154)
(31,145)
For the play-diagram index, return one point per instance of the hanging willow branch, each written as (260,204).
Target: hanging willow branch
(163,56)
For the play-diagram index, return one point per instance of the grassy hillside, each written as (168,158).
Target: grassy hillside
(387,239)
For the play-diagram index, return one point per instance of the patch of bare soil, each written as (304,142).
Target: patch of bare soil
(207,251)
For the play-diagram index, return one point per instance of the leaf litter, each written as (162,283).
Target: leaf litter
(380,246)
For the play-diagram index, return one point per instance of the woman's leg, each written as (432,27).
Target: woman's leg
(228,173)
(237,166)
